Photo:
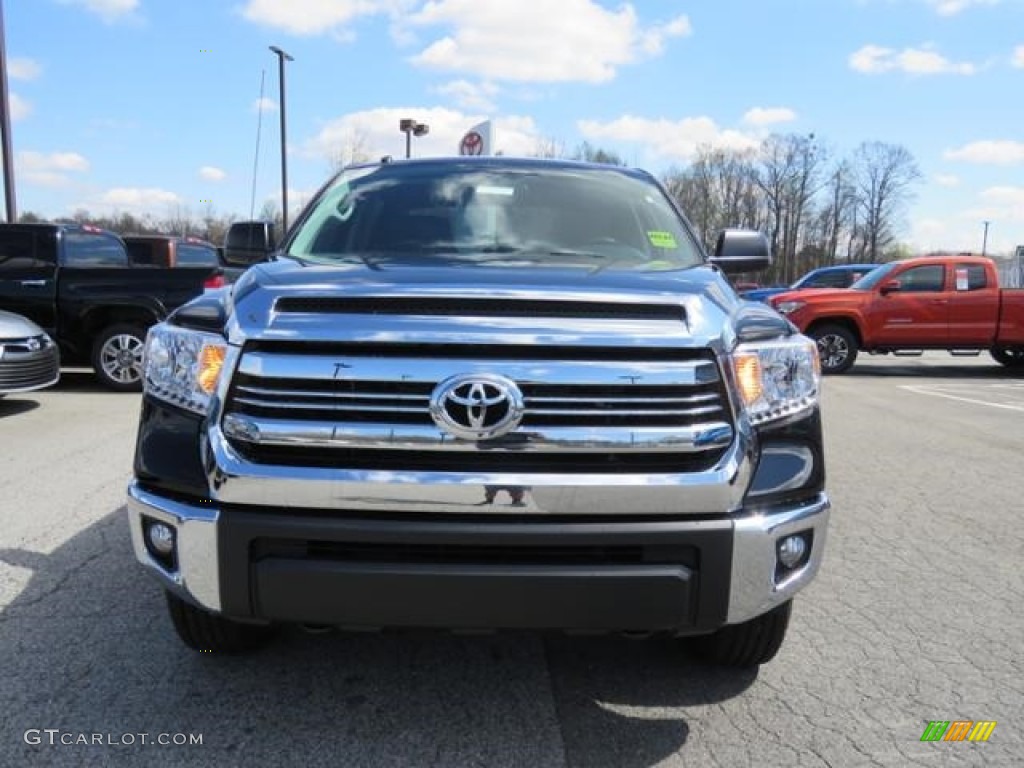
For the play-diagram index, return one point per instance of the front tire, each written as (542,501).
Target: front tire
(748,644)
(117,357)
(209,633)
(837,348)
(1011,357)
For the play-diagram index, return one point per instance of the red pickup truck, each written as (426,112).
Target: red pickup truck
(904,307)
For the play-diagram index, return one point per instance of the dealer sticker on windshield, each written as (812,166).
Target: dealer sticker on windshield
(661,239)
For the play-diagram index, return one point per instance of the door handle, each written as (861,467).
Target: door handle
(33,282)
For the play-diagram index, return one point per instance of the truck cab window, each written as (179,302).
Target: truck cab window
(923,279)
(17,250)
(91,249)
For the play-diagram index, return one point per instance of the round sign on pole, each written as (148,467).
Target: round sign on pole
(472,144)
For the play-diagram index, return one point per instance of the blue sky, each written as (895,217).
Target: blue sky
(150,106)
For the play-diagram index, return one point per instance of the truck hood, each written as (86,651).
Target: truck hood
(838,297)
(286,300)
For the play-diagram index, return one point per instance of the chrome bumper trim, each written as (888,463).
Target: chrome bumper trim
(753,590)
(235,480)
(197,577)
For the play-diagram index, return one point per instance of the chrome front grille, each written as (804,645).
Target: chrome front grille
(27,364)
(353,407)
(547,405)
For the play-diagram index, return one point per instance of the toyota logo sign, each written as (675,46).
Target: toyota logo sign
(477,406)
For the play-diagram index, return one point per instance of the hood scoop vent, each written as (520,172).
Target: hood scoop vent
(476,307)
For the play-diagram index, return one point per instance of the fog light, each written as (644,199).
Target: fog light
(161,538)
(792,550)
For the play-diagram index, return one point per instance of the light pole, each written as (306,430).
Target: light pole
(984,240)
(5,126)
(281,58)
(411,128)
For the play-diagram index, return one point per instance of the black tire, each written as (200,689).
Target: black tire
(117,357)
(837,348)
(748,644)
(209,633)
(1011,357)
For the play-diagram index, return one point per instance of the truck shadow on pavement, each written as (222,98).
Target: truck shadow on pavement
(12,405)
(892,369)
(90,650)
(83,380)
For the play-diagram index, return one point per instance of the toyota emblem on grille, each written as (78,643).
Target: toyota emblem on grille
(477,406)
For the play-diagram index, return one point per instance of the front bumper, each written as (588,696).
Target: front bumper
(361,570)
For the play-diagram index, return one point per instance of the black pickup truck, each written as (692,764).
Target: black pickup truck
(77,283)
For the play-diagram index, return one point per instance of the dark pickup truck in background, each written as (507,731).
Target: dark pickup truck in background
(77,283)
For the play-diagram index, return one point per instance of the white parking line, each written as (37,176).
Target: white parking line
(926,391)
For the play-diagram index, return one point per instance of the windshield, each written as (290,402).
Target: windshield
(500,215)
(874,277)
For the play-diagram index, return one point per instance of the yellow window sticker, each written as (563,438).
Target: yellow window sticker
(662,239)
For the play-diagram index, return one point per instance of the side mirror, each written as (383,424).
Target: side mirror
(889,286)
(248,242)
(741,250)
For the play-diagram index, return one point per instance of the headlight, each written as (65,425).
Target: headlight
(777,378)
(785,307)
(182,366)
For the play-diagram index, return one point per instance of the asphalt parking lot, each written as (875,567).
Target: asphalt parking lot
(916,616)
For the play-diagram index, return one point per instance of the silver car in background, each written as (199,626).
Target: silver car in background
(29,359)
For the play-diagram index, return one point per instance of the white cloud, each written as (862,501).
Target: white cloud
(676,139)
(374,133)
(478,97)
(953,7)
(49,169)
(988,152)
(23,69)
(136,200)
(1001,204)
(1018,57)
(311,17)
(264,105)
(874,60)
(964,229)
(108,10)
(54,161)
(20,109)
(946,180)
(769,115)
(537,40)
(210,173)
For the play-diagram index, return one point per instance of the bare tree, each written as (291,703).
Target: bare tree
(839,214)
(885,174)
(788,174)
(717,191)
(354,149)
(591,154)
(549,147)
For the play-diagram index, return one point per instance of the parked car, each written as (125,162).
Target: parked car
(76,283)
(175,252)
(29,359)
(838,276)
(933,302)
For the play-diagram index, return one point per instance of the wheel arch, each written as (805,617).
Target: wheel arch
(844,321)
